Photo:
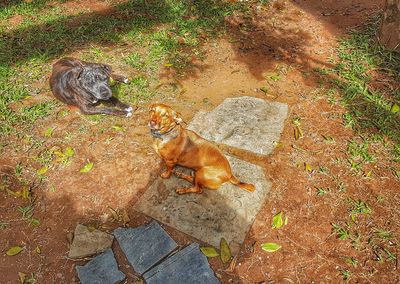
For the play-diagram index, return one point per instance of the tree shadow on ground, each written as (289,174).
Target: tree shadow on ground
(67,33)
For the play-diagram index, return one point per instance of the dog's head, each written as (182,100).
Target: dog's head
(94,79)
(163,118)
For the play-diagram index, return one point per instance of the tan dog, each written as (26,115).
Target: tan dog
(179,146)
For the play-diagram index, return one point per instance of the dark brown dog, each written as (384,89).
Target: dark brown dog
(86,85)
(179,146)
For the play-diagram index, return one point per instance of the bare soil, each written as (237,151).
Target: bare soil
(288,37)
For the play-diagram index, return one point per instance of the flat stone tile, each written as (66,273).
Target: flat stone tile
(227,212)
(186,266)
(144,246)
(102,269)
(87,242)
(245,123)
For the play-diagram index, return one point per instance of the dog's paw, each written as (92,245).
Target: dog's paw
(128,109)
(126,81)
(166,174)
(180,190)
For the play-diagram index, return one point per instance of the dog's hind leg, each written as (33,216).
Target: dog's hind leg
(184,190)
(205,177)
(186,177)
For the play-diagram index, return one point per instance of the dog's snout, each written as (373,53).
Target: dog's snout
(105,93)
(152,123)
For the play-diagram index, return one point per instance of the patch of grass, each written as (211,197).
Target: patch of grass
(27,215)
(27,211)
(345,274)
(9,8)
(32,113)
(148,35)
(341,232)
(351,261)
(3,225)
(322,191)
(18,170)
(359,153)
(359,207)
(387,235)
(358,71)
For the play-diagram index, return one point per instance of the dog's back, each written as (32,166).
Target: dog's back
(62,79)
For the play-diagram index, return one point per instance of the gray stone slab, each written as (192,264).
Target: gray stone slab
(227,212)
(145,246)
(186,266)
(246,123)
(87,242)
(102,269)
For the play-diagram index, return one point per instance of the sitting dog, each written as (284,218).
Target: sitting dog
(179,146)
(85,85)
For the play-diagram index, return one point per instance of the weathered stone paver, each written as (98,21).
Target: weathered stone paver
(87,242)
(246,123)
(227,212)
(145,246)
(186,266)
(102,269)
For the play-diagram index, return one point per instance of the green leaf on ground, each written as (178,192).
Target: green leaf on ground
(308,168)
(25,193)
(395,108)
(225,251)
(209,251)
(270,247)
(118,128)
(34,222)
(69,152)
(42,170)
(14,250)
(38,250)
(87,167)
(264,90)
(275,78)
(278,221)
(49,132)
(298,133)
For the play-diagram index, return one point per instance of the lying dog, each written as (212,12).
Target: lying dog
(85,85)
(179,146)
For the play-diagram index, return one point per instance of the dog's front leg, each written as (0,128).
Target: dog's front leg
(117,103)
(119,78)
(88,109)
(170,167)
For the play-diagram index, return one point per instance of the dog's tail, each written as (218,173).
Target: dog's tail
(246,186)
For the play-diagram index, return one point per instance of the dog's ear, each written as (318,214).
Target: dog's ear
(77,71)
(177,118)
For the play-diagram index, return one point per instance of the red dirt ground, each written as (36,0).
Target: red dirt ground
(290,37)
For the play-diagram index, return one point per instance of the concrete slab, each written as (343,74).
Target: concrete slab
(186,266)
(102,269)
(144,246)
(246,123)
(227,212)
(87,242)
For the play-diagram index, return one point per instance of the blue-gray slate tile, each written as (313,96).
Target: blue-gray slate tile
(102,269)
(188,266)
(144,246)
